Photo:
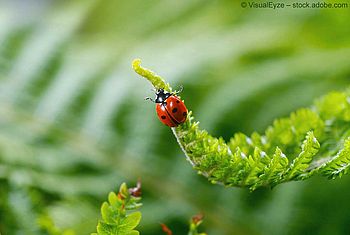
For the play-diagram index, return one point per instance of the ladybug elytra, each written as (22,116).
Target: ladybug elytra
(170,109)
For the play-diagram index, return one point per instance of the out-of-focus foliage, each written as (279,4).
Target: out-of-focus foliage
(48,226)
(73,122)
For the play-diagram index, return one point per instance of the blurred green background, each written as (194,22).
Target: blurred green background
(74,125)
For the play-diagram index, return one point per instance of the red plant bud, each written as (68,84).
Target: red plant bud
(197,218)
(136,191)
(166,229)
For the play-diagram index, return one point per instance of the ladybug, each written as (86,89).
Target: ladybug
(170,109)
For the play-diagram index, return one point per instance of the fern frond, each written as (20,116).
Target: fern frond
(273,171)
(309,149)
(338,165)
(156,80)
(263,160)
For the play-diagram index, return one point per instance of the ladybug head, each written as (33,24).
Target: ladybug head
(161,96)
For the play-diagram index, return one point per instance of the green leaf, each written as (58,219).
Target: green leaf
(106,229)
(116,219)
(133,232)
(112,198)
(107,213)
(338,165)
(272,173)
(256,167)
(130,222)
(309,149)
(124,190)
(334,105)
(305,120)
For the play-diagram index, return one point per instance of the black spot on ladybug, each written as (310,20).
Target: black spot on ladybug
(177,101)
(185,114)
(163,117)
(174,110)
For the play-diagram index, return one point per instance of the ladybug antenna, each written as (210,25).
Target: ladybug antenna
(149,98)
(180,90)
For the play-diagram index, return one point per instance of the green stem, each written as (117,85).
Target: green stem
(156,80)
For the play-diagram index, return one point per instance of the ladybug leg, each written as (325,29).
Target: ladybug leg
(149,98)
(180,90)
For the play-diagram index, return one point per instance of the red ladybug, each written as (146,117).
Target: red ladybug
(171,110)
